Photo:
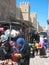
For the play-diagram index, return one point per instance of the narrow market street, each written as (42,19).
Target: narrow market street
(24,32)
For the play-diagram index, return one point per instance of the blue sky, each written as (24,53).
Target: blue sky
(40,7)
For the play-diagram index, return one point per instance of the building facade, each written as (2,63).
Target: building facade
(7,9)
(35,23)
(18,13)
(25,10)
(33,18)
(39,28)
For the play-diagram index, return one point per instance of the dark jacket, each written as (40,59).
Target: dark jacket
(6,50)
(25,55)
(26,52)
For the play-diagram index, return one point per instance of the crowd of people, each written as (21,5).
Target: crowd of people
(14,51)
(40,47)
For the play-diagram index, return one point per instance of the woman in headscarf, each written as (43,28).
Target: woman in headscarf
(42,48)
(24,52)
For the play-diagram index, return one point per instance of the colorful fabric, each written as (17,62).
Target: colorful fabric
(37,45)
(4,38)
(41,44)
(22,41)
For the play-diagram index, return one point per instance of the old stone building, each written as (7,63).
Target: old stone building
(39,28)
(35,23)
(7,9)
(33,18)
(25,10)
(18,13)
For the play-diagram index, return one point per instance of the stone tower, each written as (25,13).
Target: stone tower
(25,10)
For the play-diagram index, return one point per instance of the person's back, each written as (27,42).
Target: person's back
(41,44)
(42,48)
(36,48)
(24,51)
(37,45)
(25,55)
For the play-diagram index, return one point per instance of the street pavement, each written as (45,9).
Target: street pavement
(39,61)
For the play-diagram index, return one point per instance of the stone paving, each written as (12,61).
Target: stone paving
(39,61)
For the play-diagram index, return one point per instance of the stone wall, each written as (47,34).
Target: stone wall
(33,18)
(25,10)
(7,9)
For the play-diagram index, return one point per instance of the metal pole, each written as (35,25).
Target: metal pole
(10,30)
(10,20)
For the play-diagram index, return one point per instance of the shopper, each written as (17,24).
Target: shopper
(24,52)
(36,47)
(42,49)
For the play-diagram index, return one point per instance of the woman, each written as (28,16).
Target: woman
(23,53)
(42,49)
